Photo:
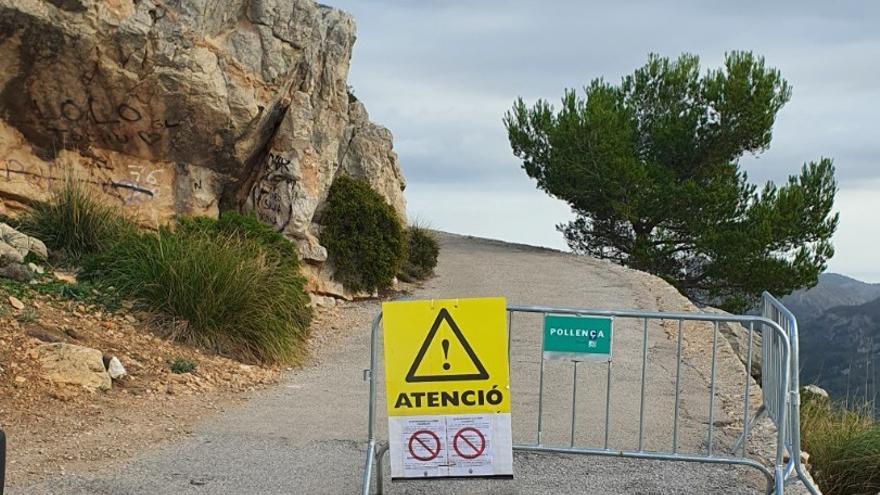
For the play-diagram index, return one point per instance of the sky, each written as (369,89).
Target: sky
(441,74)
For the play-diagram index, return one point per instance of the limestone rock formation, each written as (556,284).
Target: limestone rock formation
(14,247)
(187,107)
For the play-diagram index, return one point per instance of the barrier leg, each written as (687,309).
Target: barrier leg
(368,467)
(780,480)
(380,482)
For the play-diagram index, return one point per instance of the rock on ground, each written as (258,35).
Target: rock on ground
(14,247)
(73,365)
(184,107)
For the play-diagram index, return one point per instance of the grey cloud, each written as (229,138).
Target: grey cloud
(441,74)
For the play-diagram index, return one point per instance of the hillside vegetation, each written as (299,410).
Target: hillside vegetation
(232,286)
(844,446)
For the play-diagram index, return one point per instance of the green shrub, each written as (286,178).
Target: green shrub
(421,254)
(363,235)
(246,226)
(75,222)
(182,365)
(234,295)
(844,447)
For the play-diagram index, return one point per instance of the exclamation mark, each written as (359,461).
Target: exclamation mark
(445,343)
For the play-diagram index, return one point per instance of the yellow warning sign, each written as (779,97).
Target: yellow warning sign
(446,357)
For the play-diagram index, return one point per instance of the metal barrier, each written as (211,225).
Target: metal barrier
(2,461)
(780,396)
(773,310)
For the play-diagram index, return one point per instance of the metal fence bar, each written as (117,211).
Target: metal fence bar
(380,480)
(677,390)
(747,397)
(574,394)
(607,404)
(780,394)
(642,394)
(371,434)
(712,389)
(781,313)
(658,456)
(541,389)
(509,333)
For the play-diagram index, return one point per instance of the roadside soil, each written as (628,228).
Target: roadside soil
(53,429)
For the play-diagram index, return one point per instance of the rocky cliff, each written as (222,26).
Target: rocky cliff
(188,107)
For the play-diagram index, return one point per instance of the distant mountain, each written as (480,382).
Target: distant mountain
(839,321)
(840,350)
(832,290)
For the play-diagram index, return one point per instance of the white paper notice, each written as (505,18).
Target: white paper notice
(460,445)
(470,445)
(424,453)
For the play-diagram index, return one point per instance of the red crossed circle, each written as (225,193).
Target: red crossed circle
(419,437)
(477,449)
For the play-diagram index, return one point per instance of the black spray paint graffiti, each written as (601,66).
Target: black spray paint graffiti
(144,184)
(270,190)
(107,123)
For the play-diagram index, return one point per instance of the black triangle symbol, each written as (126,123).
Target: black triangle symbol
(481,373)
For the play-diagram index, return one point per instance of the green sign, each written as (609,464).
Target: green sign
(577,338)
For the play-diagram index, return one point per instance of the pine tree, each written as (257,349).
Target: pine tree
(651,169)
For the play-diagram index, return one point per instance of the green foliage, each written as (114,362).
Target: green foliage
(182,365)
(74,222)
(650,168)
(234,295)
(421,255)
(246,226)
(844,447)
(363,236)
(82,292)
(85,292)
(15,288)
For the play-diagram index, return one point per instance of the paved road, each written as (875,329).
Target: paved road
(307,436)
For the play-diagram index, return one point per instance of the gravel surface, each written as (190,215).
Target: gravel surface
(308,434)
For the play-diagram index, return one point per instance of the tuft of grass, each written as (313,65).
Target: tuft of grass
(234,296)
(421,255)
(11,287)
(74,221)
(27,316)
(246,226)
(364,237)
(182,365)
(844,446)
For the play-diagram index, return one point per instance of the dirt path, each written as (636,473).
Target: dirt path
(308,434)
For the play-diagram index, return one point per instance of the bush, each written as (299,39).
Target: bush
(363,236)
(844,447)
(234,295)
(421,254)
(75,222)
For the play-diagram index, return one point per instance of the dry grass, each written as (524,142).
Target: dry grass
(844,447)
